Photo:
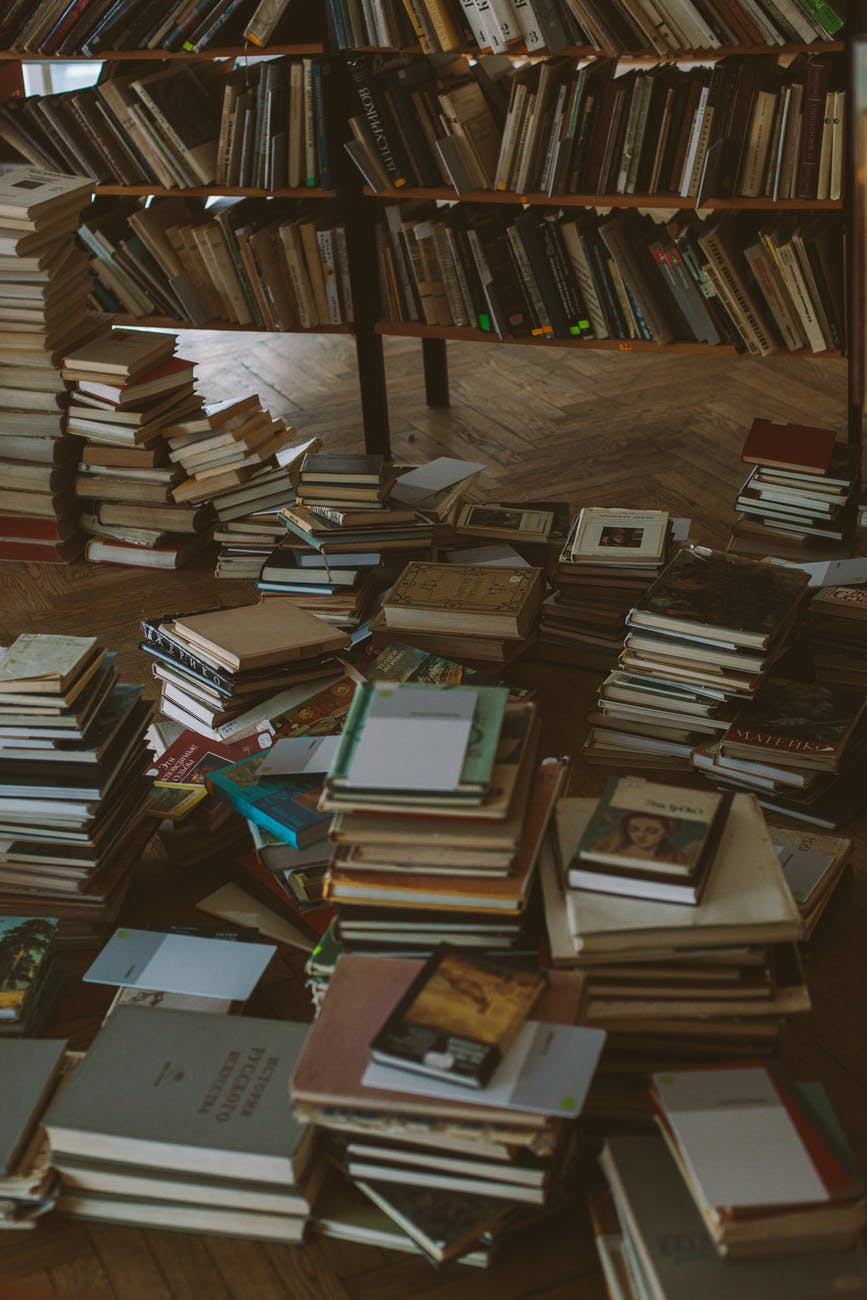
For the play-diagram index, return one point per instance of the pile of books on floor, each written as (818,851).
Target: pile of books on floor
(800,746)
(33,1071)
(440,807)
(698,643)
(73,791)
(248,517)
(238,665)
(474,613)
(609,560)
(127,387)
(345,537)
(836,628)
(799,500)
(400,1071)
(709,977)
(43,311)
(692,1214)
(216,1151)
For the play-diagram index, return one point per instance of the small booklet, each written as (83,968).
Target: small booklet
(458,1018)
(181,963)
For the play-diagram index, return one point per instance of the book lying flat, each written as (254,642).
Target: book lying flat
(258,636)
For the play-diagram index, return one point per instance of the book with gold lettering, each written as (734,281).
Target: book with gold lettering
(465,599)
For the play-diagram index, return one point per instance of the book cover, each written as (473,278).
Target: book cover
(285,805)
(465,589)
(458,1018)
(443,1224)
(789,446)
(257,635)
(505,521)
(808,721)
(618,536)
(641,825)
(44,664)
(26,946)
(29,1068)
(187,1091)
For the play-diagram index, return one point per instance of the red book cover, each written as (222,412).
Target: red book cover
(789,446)
(191,758)
(63,553)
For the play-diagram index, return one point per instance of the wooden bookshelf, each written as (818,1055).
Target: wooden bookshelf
(665,202)
(591,52)
(109,56)
(127,320)
(214,191)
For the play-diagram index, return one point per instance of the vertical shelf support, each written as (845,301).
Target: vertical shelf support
(436,371)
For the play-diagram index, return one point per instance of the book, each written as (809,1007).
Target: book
(37,663)
(220,1105)
(30,1068)
(285,806)
(457,1019)
(258,636)
(506,522)
(795,723)
(124,353)
(618,537)
(464,599)
(790,446)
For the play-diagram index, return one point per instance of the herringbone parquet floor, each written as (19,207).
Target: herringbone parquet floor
(597,428)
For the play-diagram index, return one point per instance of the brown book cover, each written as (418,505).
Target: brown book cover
(124,353)
(798,723)
(790,446)
(465,597)
(256,636)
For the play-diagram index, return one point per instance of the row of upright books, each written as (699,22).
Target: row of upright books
(183,125)
(270,263)
(741,128)
(760,285)
(134,25)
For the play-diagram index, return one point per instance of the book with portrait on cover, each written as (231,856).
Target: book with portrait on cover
(458,1018)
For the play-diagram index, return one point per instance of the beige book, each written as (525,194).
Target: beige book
(293,255)
(755,158)
(465,598)
(44,664)
(125,353)
(257,636)
(182,111)
(313,262)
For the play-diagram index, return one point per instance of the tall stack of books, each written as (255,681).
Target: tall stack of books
(127,387)
(215,1151)
(480,613)
(800,746)
(709,975)
(440,808)
(697,644)
(836,628)
(222,447)
(609,560)
(43,309)
(799,500)
(73,786)
(248,517)
(687,1216)
(485,1155)
(219,665)
(342,528)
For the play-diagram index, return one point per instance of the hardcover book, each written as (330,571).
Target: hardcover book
(287,806)
(40,664)
(28,1068)
(324,467)
(466,598)
(641,826)
(506,522)
(256,636)
(122,352)
(457,1018)
(799,723)
(618,536)
(790,446)
(26,945)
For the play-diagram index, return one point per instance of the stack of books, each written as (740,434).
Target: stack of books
(28,975)
(344,537)
(800,746)
(43,311)
(674,982)
(440,808)
(609,560)
(469,612)
(33,1071)
(73,787)
(698,643)
(799,500)
(671,1201)
(214,1150)
(486,1153)
(836,628)
(248,517)
(127,387)
(220,448)
(219,665)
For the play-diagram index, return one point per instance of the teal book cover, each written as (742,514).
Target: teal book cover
(284,805)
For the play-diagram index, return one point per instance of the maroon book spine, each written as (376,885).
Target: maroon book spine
(812,124)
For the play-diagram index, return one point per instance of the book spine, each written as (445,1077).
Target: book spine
(378,120)
(812,124)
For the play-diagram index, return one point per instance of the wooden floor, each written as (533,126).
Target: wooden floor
(594,429)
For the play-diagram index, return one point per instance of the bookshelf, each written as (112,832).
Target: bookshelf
(338,197)
(434,338)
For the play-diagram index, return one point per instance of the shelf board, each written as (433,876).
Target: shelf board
(213,191)
(456,334)
(668,202)
(105,56)
(127,321)
(641,56)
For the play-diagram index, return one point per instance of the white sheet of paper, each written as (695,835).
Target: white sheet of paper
(295,754)
(181,963)
(547,1071)
(414,739)
(433,477)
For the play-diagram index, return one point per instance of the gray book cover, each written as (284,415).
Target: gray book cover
(676,1251)
(27,1067)
(186,1090)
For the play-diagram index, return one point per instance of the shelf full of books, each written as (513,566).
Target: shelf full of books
(610,26)
(735,282)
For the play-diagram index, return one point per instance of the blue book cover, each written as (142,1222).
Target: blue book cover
(319,74)
(284,805)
